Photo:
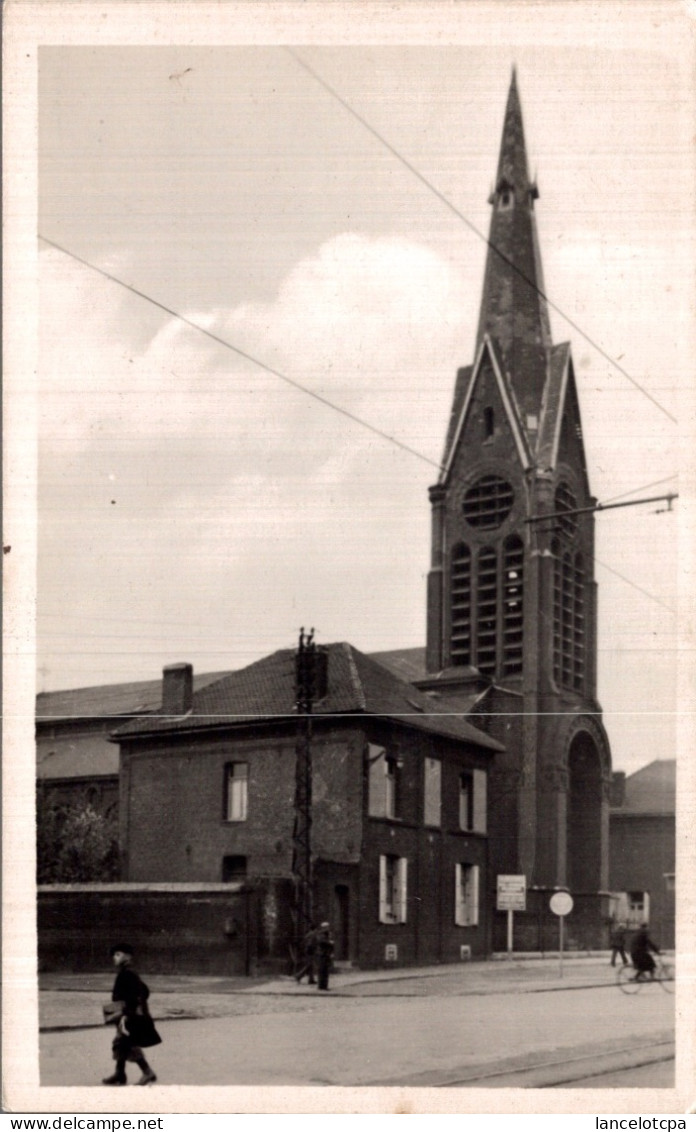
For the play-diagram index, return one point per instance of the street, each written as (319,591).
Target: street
(420,1032)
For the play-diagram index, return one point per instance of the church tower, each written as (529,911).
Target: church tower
(512,608)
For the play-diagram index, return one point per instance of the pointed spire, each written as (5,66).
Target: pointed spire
(512,309)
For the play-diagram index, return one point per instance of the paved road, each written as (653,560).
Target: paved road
(659,1075)
(420,1040)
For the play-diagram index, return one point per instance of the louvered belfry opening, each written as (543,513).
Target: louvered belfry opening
(513,578)
(460,640)
(568,597)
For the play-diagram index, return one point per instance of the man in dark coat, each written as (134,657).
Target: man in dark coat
(641,946)
(617,942)
(135,1026)
(310,951)
(325,950)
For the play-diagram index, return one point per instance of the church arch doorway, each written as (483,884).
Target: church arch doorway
(584,819)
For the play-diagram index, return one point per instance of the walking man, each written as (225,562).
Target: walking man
(617,942)
(325,950)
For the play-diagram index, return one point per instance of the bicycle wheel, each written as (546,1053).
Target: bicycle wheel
(665,974)
(626,978)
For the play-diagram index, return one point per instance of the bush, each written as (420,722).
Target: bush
(75,843)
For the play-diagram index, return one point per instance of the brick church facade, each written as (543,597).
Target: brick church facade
(512,601)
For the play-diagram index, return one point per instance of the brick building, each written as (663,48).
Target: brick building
(399,813)
(75,762)
(643,848)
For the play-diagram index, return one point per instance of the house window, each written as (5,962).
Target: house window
(488,423)
(233,869)
(466,895)
(473,801)
(432,793)
(393,883)
(384,774)
(236,791)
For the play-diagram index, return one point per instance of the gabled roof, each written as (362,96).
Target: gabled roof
(265,691)
(463,394)
(552,406)
(651,790)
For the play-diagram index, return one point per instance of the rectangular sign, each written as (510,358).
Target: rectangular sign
(511,894)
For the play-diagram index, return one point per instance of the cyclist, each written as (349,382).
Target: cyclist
(641,946)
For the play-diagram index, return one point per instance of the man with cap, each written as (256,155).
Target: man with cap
(135,1026)
(325,949)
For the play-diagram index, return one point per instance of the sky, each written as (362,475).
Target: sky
(192,505)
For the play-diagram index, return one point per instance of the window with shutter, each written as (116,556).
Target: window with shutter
(466,895)
(480,802)
(432,793)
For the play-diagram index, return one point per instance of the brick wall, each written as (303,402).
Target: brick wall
(172,803)
(175,929)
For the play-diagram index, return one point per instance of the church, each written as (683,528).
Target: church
(439,769)
(512,601)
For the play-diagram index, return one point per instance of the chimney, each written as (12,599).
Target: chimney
(618,788)
(177,689)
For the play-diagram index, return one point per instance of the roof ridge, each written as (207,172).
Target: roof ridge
(354,675)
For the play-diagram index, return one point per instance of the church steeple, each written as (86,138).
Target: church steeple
(513,312)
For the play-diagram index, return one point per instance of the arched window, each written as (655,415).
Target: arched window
(513,572)
(460,639)
(557,609)
(578,622)
(486,611)
(568,619)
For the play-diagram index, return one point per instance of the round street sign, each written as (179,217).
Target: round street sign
(561,903)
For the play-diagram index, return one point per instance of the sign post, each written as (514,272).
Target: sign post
(511,898)
(561,904)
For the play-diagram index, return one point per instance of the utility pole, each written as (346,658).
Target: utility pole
(305,683)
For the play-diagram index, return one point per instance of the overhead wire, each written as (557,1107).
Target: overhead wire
(241,353)
(472,227)
(325,400)
(283,377)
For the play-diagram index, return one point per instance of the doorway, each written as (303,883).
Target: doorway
(341,922)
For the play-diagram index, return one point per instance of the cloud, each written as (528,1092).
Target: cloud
(363,322)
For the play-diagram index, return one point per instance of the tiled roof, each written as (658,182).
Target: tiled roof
(266,690)
(407,664)
(105,700)
(652,789)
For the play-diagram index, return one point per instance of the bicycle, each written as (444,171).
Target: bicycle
(630,981)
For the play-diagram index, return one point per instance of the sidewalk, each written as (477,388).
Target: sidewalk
(73,1001)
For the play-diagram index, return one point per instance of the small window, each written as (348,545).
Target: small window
(233,869)
(506,200)
(488,423)
(432,792)
(466,895)
(473,801)
(393,884)
(236,791)
(384,783)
